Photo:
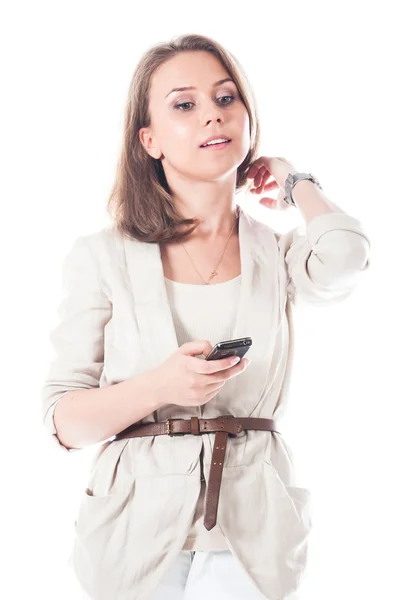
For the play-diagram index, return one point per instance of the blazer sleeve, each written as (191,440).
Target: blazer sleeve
(324,259)
(77,339)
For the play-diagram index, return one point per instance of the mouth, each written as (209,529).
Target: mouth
(216,145)
(214,139)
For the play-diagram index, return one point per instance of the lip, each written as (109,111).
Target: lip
(216,147)
(214,137)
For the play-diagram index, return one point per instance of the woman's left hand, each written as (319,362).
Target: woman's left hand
(261,170)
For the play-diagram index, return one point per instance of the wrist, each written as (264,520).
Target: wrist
(303,183)
(152,391)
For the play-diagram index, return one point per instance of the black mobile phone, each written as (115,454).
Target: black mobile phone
(237,347)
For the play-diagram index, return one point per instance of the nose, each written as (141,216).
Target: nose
(212,112)
(218,120)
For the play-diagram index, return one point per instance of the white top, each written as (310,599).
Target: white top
(203,312)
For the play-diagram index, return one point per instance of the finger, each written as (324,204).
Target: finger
(214,385)
(212,366)
(271,185)
(263,183)
(236,369)
(260,176)
(274,204)
(251,172)
(268,202)
(254,167)
(222,375)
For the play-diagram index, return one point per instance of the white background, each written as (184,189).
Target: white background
(325,77)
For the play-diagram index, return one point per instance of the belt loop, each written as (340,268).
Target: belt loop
(194,426)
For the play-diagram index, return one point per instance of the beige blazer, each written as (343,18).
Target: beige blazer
(115,322)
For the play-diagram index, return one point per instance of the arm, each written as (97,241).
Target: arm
(311,201)
(324,259)
(76,411)
(86,417)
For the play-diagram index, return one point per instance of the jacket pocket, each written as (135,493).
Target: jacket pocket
(96,511)
(107,492)
(288,511)
(101,533)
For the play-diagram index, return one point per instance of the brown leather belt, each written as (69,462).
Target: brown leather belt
(223,427)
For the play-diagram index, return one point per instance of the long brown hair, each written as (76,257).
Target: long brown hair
(140,202)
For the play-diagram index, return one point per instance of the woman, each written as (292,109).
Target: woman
(212,508)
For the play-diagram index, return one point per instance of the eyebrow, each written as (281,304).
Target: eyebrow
(181,89)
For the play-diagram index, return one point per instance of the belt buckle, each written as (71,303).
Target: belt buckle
(169,430)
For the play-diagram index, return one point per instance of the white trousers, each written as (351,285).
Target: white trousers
(215,575)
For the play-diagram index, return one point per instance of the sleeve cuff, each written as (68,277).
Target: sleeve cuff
(50,427)
(333,221)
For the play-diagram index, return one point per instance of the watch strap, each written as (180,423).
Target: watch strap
(291,181)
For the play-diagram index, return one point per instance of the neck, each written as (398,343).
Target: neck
(208,231)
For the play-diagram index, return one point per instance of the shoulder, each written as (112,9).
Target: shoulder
(104,242)
(101,237)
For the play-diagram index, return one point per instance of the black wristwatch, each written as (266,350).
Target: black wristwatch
(291,181)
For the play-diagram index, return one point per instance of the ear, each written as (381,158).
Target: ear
(149,143)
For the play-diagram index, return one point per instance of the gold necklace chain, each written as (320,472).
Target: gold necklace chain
(214,272)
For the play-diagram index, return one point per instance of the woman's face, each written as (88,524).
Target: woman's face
(182,120)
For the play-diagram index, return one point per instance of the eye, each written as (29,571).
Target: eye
(231,97)
(178,106)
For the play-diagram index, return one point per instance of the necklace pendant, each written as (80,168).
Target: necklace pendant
(213,274)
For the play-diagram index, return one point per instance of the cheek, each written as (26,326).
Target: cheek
(183,130)
(177,134)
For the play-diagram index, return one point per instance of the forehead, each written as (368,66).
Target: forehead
(199,69)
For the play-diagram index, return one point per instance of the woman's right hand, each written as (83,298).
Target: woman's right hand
(186,380)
